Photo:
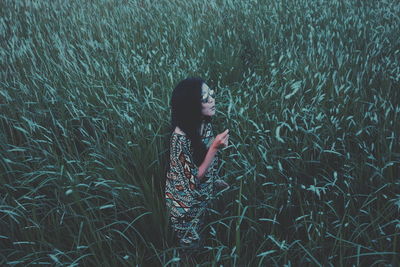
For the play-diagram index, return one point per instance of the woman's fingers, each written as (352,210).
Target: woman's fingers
(225,140)
(222,138)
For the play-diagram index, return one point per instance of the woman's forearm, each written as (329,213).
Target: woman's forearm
(206,162)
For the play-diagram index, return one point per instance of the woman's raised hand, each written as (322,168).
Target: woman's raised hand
(221,140)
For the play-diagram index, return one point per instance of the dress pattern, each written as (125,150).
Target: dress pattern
(186,197)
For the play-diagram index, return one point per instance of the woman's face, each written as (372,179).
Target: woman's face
(207,101)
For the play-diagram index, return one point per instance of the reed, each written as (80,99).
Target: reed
(308,89)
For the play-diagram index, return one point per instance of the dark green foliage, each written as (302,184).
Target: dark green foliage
(308,89)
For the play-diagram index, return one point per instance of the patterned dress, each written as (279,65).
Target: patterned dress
(186,198)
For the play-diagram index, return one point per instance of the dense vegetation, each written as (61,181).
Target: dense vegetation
(308,89)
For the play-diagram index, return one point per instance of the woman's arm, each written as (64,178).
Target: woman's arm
(220,140)
(207,162)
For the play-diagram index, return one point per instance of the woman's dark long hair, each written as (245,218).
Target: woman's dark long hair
(187,115)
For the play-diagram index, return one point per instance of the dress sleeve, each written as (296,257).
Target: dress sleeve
(182,163)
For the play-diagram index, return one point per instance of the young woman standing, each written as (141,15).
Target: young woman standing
(192,177)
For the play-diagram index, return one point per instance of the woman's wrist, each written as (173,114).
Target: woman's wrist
(214,147)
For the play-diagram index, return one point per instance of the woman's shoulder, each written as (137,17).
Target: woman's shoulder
(178,131)
(179,137)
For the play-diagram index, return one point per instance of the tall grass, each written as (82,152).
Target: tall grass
(308,89)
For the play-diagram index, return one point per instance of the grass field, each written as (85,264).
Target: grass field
(309,91)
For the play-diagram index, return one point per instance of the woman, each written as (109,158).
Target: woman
(192,176)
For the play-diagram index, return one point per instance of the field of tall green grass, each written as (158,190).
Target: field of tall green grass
(309,90)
